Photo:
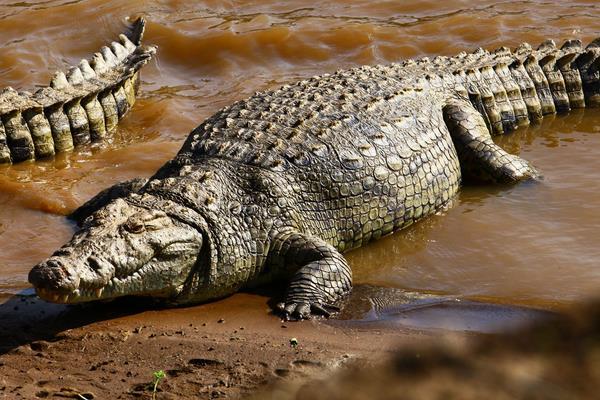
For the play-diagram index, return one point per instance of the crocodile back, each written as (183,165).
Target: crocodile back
(356,155)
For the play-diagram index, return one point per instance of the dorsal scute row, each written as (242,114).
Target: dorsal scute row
(514,87)
(78,107)
(294,124)
(298,125)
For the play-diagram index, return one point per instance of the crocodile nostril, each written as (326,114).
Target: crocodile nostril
(53,274)
(53,263)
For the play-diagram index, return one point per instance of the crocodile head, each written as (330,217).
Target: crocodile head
(122,250)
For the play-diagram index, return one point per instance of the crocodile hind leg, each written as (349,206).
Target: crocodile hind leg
(121,189)
(480,158)
(321,275)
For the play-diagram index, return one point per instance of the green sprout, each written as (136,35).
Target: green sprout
(158,375)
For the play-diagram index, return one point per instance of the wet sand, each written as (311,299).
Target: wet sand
(228,348)
(556,359)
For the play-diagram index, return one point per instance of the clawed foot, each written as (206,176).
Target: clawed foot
(519,169)
(297,311)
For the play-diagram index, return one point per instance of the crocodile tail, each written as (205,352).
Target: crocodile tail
(567,77)
(588,64)
(82,106)
(512,88)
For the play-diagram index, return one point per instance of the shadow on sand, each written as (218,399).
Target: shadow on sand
(24,318)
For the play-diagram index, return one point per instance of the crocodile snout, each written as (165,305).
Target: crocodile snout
(52,279)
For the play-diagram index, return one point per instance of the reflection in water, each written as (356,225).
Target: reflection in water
(531,244)
(381,307)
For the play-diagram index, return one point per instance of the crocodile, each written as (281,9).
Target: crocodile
(276,187)
(82,106)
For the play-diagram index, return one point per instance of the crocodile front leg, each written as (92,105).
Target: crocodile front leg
(321,278)
(480,158)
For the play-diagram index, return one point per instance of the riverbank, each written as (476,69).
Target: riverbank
(228,348)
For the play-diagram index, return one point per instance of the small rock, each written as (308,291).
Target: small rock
(217,393)
(39,346)
(282,372)
(203,362)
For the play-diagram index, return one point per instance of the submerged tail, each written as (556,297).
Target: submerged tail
(78,107)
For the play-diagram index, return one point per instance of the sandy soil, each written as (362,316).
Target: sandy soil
(228,348)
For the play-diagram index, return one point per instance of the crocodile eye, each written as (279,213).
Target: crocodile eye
(158,223)
(134,226)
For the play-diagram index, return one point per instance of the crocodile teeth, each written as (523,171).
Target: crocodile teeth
(98,292)
(53,297)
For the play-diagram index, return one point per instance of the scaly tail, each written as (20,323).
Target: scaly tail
(81,106)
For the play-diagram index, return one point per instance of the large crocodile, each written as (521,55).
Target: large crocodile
(80,107)
(279,185)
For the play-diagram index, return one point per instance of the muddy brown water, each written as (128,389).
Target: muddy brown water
(530,244)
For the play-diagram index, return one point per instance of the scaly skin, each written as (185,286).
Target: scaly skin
(80,107)
(278,186)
